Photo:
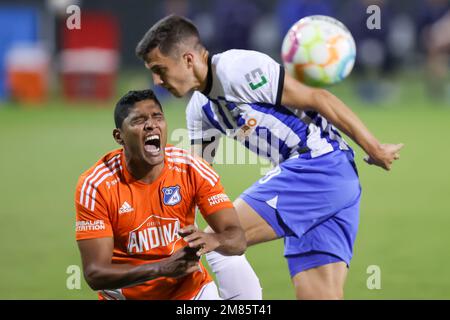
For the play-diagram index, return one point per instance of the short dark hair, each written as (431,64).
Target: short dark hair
(128,101)
(166,35)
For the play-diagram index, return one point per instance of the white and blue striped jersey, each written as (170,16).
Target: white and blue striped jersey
(242,100)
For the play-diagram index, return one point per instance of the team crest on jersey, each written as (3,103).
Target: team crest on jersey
(172,195)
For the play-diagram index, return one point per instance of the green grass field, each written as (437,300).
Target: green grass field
(405,214)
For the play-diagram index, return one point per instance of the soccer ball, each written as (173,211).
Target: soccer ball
(319,51)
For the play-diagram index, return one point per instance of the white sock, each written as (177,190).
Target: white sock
(235,277)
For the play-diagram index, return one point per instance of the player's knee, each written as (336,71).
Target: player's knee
(244,245)
(339,295)
(333,294)
(320,293)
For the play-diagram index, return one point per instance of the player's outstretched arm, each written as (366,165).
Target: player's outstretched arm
(101,274)
(300,96)
(228,239)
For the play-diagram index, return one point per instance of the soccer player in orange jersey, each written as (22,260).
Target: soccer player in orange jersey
(136,210)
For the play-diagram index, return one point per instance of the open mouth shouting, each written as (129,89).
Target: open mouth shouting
(152,144)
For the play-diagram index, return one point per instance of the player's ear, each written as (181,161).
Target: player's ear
(188,57)
(117,135)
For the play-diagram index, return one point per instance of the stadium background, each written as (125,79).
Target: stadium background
(48,137)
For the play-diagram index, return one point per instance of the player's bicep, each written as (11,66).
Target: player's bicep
(297,95)
(223,219)
(96,252)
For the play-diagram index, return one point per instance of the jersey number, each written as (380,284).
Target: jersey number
(269,175)
(256,74)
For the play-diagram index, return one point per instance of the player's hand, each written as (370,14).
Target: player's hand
(203,241)
(385,155)
(180,264)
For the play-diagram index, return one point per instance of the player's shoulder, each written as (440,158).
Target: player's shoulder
(182,156)
(239,60)
(238,55)
(108,166)
(186,163)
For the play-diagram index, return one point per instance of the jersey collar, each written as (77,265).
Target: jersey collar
(209,78)
(132,180)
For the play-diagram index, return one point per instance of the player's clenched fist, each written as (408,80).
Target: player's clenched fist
(204,242)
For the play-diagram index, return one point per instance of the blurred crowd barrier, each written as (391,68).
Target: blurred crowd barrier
(90,58)
(40,53)
(18,47)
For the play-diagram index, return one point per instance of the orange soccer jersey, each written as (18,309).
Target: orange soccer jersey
(144,219)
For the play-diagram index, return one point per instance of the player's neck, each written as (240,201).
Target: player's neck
(202,72)
(143,171)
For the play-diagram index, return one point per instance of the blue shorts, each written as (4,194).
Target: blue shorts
(314,205)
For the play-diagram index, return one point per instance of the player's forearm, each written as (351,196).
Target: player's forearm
(115,276)
(232,241)
(342,117)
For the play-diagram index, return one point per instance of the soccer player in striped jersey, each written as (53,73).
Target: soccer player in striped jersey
(312,196)
(136,212)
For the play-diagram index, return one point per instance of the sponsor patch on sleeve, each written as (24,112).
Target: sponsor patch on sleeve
(218,198)
(90,225)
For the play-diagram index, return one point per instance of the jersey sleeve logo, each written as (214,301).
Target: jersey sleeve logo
(90,225)
(172,195)
(258,76)
(218,198)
